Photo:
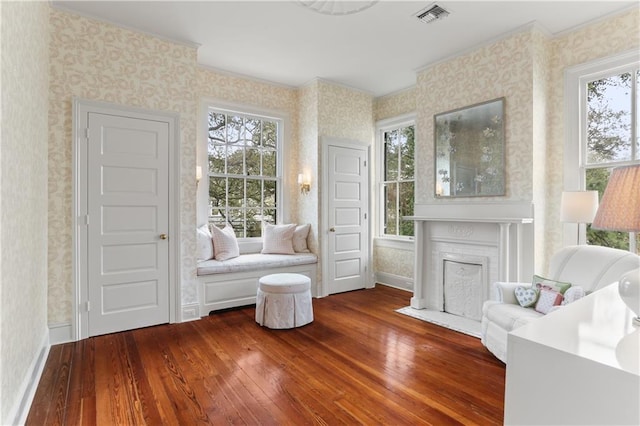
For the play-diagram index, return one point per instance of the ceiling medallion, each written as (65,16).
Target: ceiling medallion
(337,7)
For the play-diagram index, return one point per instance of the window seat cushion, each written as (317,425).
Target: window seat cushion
(254,262)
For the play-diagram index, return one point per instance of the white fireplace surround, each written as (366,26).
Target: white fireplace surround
(496,235)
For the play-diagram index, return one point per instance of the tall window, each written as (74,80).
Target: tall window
(397,180)
(244,175)
(610,134)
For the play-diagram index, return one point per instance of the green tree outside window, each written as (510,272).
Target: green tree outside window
(243,175)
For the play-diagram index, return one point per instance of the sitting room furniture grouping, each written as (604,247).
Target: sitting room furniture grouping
(585,268)
(228,272)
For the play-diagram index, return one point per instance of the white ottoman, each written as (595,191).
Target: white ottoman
(284,301)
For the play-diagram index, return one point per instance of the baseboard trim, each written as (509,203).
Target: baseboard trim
(20,411)
(60,333)
(393,280)
(190,312)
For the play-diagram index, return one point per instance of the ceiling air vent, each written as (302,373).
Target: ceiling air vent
(432,13)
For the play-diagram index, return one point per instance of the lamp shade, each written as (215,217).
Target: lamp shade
(578,206)
(620,205)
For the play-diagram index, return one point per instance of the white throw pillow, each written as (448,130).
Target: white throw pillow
(225,245)
(205,243)
(300,238)
(572,294)
(278,239)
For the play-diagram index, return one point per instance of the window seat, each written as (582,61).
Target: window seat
(234,282)
(254,262)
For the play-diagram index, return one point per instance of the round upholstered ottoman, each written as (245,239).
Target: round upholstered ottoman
(284,301)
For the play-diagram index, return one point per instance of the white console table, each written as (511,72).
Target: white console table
(579,365)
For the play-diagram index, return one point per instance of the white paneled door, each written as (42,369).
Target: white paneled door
(127,222)
(347,218)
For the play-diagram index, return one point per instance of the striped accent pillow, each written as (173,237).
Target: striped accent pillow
(278,239)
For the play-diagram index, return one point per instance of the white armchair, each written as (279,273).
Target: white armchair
(590,267)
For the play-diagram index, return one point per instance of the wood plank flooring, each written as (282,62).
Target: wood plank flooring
(359,362)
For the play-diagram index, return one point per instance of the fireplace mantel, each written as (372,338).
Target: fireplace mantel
(468,219)
(469,227)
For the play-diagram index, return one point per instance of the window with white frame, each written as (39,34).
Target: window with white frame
(396,178)
(244,153)
(608,128)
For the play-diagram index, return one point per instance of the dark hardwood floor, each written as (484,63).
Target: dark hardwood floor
(358,362)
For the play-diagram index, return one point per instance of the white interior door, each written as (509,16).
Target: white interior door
(348,230)
(128,223)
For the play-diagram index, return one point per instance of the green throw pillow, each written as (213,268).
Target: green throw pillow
(558,286)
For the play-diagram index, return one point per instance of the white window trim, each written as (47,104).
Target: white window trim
(575,123)
(381,127)
(283,168)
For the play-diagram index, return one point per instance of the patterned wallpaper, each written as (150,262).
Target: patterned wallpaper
(605,38)
(542,178)
(327,109)
(344,112)
(98,61)
(502,69)
(393,261)
(23,196)
(307,158)
(395,104)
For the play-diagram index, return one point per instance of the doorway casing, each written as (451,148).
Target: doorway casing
(81,109)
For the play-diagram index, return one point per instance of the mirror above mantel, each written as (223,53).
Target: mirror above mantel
(469,151)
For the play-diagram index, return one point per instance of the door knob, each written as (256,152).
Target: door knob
(332,229)
(163,236)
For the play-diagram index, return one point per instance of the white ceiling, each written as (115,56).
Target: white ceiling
(377,50)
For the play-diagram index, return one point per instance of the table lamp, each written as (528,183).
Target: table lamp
(578,207)
(620,211)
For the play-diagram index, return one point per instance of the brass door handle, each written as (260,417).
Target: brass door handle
(163,236)
(332,229)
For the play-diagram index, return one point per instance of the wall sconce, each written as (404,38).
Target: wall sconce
(305,184)
(198,174)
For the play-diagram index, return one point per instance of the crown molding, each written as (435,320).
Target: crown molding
(64,9)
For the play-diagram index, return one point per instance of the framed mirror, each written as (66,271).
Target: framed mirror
(469,151)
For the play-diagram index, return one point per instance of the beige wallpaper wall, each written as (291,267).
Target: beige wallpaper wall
(23,196)
(528,69)
(342,113)
(395,104)
(398,262)
(605,38)
(502,69)
(542,176)
(389,260)
(307,159)
(98,61)
(327,110)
